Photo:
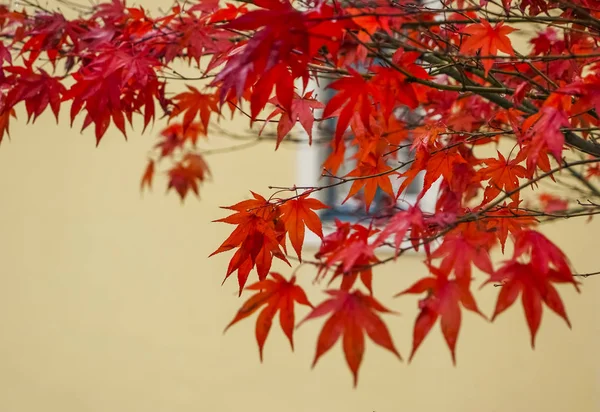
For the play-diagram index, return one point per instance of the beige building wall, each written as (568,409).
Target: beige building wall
(108,302)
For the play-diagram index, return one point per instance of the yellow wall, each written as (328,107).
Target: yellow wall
(109,303)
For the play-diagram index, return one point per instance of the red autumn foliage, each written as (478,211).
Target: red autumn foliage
(352,315)
(277,295)
(485,124)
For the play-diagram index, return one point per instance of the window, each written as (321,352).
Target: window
(309,162)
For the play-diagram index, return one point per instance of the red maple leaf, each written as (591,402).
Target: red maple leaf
(507,219)
(587,90)
(371,172)
(278,78)
(299,213)
(348,248)
(543,135)
(503,175)
(464,246)
(353,96)
(352,314)
(553,204)
(37,90)
(444,297)
(533,280)
(5,116)
(193,104)
(115,84)
(174,137)
(534,287)
(393,90)
(544,254)
(187,174)
(302,111)
(277,54)
(274,295)
(402,223)
(50,33)
(147,176)
(543,41)
(488,40)
(258,236)
(440,164)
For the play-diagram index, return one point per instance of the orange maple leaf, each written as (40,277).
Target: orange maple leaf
(195,103)
(488,40)
(379,173)
(299,213)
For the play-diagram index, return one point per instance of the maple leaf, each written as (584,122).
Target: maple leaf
(111,11)
(440,164)
(274,295)
(277,54)
(544,254)
(553,204)
(535,6)
(147,176)
(38,91)
(371,173)
(50,32)
(394,89)
(114,85)
(503,175)
(228,13)
(409,62)
(488,40)
(543,134)
(593,171)
(534,279)
(280,78)
(258,236)
(302,110)
(542,43)
(193,104)
(336,157)
(5,55)
(352,314)
(443,298)
(349,248)
(467,245)
(508,219)
(353,95)
(186,175)
(370,21)
(175,136)
(5,116)
(587,92)
(299,213)
(406,221)
(534,287)
(195,36)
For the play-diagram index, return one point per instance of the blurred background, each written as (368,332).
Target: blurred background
(108,301)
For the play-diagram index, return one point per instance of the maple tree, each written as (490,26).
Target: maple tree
(486,122)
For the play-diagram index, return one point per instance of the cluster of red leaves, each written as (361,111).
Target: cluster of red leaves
(470,86)
(261,232)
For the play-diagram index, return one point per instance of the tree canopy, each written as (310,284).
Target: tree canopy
(506,136)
